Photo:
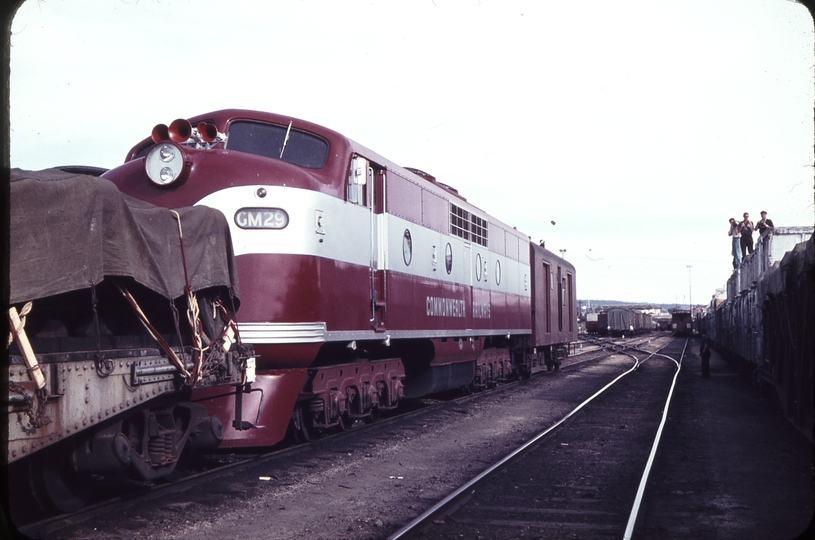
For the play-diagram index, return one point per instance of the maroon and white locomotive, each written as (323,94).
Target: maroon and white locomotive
(364,282)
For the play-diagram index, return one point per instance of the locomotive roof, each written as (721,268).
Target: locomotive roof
(337,140)
(336,166)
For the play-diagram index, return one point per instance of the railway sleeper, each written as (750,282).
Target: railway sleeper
(337,395)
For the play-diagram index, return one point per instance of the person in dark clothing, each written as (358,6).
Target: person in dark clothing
(746,229)
(704,352)
(764,224)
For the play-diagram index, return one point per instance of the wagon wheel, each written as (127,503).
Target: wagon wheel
(183,467)
(55,485)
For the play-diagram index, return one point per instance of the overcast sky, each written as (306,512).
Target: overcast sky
(624,132)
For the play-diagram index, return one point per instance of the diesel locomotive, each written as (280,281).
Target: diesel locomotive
(364,282)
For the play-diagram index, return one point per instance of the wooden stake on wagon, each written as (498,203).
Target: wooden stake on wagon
(17,331)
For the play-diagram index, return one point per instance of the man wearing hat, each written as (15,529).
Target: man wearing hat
(735,242)
(764,224)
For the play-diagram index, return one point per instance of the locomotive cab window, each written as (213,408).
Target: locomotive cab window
(278,142)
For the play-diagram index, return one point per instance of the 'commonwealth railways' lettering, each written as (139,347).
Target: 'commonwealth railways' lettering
(445,307)
(454,307)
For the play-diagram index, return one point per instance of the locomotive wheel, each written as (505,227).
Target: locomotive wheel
(54,483)
(375,415)
(344,423)
(304,433)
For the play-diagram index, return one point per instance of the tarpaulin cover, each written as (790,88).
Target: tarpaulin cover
(619,319)
(68,231)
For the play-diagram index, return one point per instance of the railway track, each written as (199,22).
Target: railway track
(559,483)
(210,468)
(230,465)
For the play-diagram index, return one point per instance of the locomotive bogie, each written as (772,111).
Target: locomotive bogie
(360,390)
(493,366)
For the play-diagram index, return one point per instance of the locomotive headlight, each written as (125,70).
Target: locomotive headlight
(164,164)
(166,153)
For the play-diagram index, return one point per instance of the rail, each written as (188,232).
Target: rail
(632,518)
(461,494)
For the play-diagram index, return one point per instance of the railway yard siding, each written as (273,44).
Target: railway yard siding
(729,467)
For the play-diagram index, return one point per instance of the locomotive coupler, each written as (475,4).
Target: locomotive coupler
(239,423)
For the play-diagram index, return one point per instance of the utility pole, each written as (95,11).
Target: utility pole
(690,293)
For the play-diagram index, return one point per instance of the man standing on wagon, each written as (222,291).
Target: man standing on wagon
(764,224)
(746,229)
(734,243)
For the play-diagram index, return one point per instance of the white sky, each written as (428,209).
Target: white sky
(637,127)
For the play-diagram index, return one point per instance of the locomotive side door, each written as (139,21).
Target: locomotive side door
(366,188)
(376,194)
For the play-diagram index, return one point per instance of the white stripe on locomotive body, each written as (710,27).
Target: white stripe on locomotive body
(427,243)
(345,234)
(313,332)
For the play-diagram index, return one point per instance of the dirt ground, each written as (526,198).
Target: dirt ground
(731,466)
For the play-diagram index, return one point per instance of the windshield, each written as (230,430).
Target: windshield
(269,140)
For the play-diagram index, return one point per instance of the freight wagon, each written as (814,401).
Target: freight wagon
(118,309)
(765,325)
